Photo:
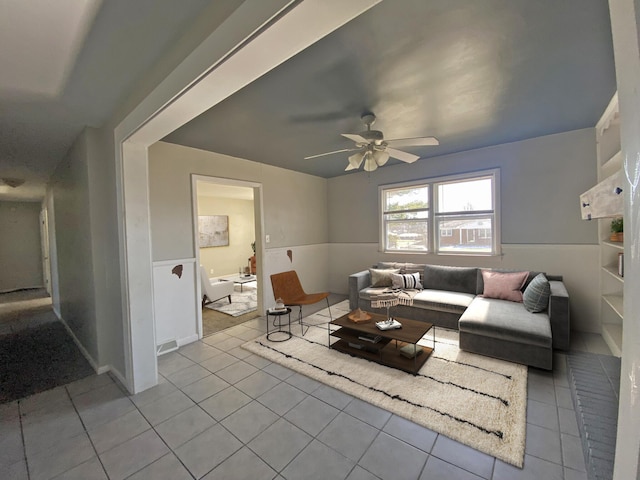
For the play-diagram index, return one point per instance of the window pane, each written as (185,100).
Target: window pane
(407,215)
(408,198)
(465,196)
(465,234)
(407,236)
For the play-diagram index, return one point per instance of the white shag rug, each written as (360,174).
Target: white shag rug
(476,400)
(242,302)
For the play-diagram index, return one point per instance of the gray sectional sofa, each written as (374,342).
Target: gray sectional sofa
(452,298)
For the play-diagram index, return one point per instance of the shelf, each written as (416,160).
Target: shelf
(353,337)
(613,271)
(612,335)
(614,163)
(618,245)
(616,302)
(389,356)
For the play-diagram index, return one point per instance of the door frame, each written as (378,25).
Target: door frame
(258,218)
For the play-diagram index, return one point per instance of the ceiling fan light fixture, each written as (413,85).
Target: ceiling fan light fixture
(355,160)
(370,163)
(381,157)
(13,182)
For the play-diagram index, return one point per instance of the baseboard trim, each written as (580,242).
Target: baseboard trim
(99,370)
(189,339)
(116,373)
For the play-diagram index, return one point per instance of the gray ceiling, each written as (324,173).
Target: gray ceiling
(471,72)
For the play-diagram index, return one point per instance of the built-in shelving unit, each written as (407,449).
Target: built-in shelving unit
(609,157)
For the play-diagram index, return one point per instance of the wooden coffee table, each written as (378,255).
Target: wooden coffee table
(386,350)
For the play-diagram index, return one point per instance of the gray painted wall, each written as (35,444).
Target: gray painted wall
(541,180)
(71,200)
(295,204)
(20,246)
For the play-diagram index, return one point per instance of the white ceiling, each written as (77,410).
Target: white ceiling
(67,64)
(473,73)
(50,35)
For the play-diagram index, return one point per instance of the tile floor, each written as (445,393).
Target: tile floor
(220,412)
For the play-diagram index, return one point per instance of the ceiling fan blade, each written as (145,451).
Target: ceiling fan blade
(413,142)
(403,156)
(355,137)
(331,153)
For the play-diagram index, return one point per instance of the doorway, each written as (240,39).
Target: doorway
(232,257)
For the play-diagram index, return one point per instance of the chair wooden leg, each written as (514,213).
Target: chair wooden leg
(229,298)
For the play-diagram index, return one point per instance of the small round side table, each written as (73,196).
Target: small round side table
(278,315)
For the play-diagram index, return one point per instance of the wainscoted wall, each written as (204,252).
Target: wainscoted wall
(578,264)
(311,262)
(175,301)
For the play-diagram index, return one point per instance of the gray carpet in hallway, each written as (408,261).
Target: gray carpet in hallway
(36,352)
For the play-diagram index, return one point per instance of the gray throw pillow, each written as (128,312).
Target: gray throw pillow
(536,295)
(382,278)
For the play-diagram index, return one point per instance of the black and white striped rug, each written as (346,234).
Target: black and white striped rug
(476,400)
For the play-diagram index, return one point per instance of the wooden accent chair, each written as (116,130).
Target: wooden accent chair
(286,285)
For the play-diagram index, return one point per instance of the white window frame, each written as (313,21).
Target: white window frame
(433,227)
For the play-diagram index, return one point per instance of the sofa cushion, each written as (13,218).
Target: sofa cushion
(406,280)
(531,276)
(504,286)
(444,301)
(507,321)
(453,279)
(536,295)
(405,267)
(382,277)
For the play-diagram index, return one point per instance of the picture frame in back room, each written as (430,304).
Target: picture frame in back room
(213,231)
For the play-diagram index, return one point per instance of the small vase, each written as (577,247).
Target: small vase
(620,237)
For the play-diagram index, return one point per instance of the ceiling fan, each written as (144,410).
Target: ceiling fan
(374,150)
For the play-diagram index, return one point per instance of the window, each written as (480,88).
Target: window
(406,218)
(461,209)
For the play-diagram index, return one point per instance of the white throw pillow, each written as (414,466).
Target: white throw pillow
(406,281)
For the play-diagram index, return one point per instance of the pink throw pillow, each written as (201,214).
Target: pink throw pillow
(505,286)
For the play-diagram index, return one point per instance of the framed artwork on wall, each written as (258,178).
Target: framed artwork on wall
(213,230)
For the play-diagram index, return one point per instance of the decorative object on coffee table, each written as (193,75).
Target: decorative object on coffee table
(359,316)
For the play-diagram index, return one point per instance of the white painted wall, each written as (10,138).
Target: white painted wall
(175,301)
(20,246)
(226,260)
(541,180)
